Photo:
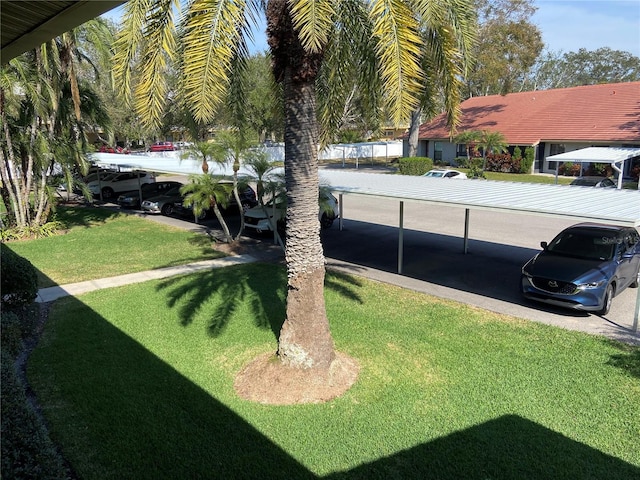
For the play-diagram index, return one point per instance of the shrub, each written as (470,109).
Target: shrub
(527,161)
(569,169)
(502,162)
(18,279)
(26,449)
(39,231)
(415,165)
(10,333)
(517,153)
(462,162)
(600,170)
(475,168)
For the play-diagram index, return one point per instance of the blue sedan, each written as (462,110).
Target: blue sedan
(584,267)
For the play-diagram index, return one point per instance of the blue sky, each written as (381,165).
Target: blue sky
(568,25)
(591,24)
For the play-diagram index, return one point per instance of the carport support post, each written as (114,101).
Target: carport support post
(400,238)
(466,231)
(139,188)
(636,314)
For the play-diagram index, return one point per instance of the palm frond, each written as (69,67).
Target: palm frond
(313,20)
(399,51)
(211,40)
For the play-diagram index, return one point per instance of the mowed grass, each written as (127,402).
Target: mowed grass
(102,243)
(137,382)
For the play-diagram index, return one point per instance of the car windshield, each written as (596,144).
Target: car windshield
(590,245)
(434,174)
(173,191)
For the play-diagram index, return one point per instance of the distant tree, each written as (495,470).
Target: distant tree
(508,46)
(571,69)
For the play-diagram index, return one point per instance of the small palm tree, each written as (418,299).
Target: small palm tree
(469,139)
(491,142)
(205,192)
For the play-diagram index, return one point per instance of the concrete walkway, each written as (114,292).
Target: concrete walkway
(53,293)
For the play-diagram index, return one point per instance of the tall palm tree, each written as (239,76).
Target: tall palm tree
(382,37)
(45,108)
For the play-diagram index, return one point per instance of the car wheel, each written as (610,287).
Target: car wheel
(107,192)
(167,209)
(326,221)
(608,298)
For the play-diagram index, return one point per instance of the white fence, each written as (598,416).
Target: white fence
(349,152)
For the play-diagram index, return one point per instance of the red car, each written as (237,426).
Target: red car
(162,147)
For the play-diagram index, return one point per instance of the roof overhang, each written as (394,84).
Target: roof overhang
(27,24)
(605,205)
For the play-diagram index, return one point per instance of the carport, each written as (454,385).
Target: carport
(620,207)
(615,156)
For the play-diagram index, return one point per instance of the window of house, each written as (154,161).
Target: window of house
(461,150)
(437,151)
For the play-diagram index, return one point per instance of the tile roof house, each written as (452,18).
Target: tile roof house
(551,121)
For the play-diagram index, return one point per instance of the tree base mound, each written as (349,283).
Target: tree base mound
(267,380)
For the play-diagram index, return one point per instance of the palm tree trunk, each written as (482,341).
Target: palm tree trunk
(305,340)
(414,130)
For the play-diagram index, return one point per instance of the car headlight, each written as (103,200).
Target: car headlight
(591,285)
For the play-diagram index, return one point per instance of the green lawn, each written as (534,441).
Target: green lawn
(102,243)
(137,382)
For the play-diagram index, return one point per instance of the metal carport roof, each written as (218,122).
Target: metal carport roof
(612,155)
(580,203)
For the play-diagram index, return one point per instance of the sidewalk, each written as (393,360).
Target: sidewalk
(53,293)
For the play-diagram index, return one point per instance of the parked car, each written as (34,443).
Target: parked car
(257,218)
(162,147)
(247,201)
(584,267)
(132,199)
(445,173)
(604,182)
(119,182)
(164,203)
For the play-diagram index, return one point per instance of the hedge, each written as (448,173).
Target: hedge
(415,165)
(18,279)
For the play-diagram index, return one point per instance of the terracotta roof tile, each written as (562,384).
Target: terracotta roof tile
(593,113)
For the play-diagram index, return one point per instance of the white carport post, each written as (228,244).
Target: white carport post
(619,169)
(636,314)
(466,231)
(401,238)
(139,187)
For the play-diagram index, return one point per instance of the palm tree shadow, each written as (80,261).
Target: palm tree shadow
(219,293)
(628,359)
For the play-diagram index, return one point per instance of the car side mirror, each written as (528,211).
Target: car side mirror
(544,245)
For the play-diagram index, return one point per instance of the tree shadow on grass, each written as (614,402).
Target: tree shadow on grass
(84,216)
(262,285)
(628,359)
